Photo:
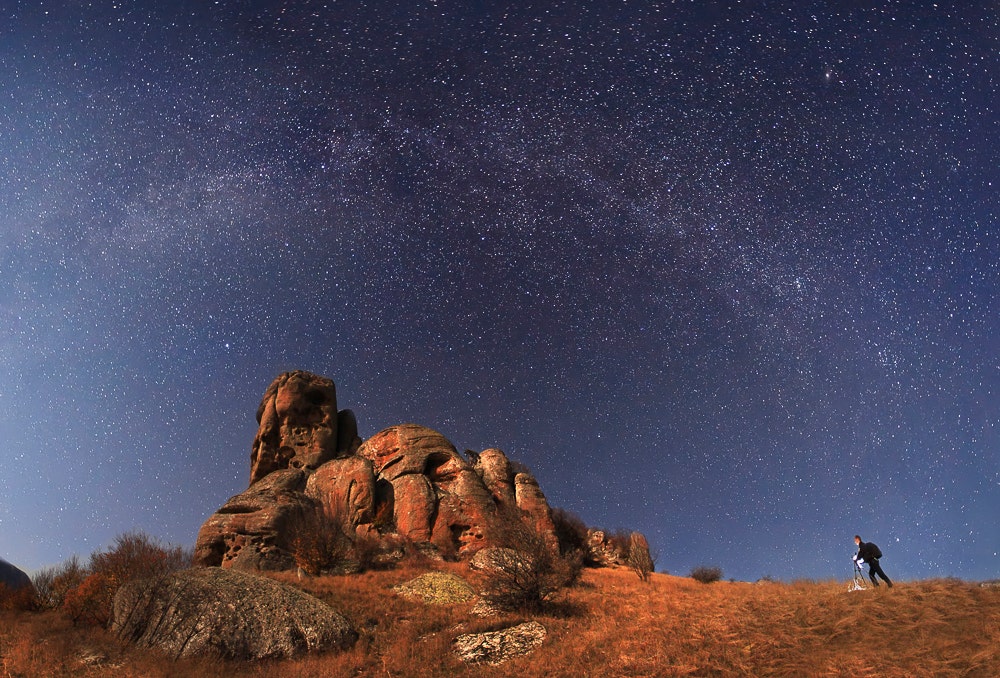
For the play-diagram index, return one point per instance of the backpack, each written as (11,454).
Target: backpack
(878,552)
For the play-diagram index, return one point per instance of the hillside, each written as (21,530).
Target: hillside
(610,624)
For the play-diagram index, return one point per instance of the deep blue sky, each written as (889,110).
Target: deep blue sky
(726,273)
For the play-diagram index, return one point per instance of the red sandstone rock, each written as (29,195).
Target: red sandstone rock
(307,457)
(298,424)
(344,488)
(254,529)
(532,502)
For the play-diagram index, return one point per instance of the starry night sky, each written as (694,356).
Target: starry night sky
(726,273)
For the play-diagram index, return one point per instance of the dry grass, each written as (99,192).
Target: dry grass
(611,624)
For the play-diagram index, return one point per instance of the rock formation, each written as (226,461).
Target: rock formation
(227,614)
(299,425)
(603,551)
(406,482)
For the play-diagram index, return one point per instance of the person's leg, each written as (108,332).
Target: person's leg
(877,569)
(871,572)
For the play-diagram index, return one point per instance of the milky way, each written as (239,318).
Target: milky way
(723,273)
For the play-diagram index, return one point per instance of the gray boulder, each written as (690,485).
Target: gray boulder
(226,613)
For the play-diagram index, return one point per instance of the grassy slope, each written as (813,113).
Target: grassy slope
(610,625)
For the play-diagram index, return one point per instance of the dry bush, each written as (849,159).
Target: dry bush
(19,599)
(321,543)
(53,583)
(527,573)
(132,555)
(706,574)
(639,558)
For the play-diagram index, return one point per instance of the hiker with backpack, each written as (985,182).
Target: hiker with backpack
(870,553)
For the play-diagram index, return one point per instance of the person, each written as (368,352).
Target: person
(870,553)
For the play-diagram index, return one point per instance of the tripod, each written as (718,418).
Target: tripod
(858,583)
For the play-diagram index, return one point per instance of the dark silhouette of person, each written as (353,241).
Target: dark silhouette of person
(870,553)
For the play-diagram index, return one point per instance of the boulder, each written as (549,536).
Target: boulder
(500,558)
(496,647)
(227,614)
(601,551)
(439,588)
(12,577)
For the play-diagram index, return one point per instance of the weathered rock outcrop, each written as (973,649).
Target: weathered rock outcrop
(437,496)
(233,615)
(601,550)
(405,481)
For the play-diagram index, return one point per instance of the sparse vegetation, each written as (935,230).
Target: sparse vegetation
(611,624)
(706,575)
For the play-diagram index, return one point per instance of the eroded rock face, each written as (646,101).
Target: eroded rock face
(298,424)
(227,614)
(344,488)
(437,494)
(535,507)
(254,530)
(406,481)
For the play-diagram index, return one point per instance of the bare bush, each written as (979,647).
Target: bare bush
(321,543)
(53,583)
(706,575)
(528,571)
(639,558)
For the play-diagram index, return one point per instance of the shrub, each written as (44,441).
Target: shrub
(89,602)
(528,571)
(86,594)
(706,575)
(639,559)
(571,531)
(320,544)
(19,599)
(53,583)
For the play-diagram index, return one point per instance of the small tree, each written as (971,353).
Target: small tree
(706,575)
